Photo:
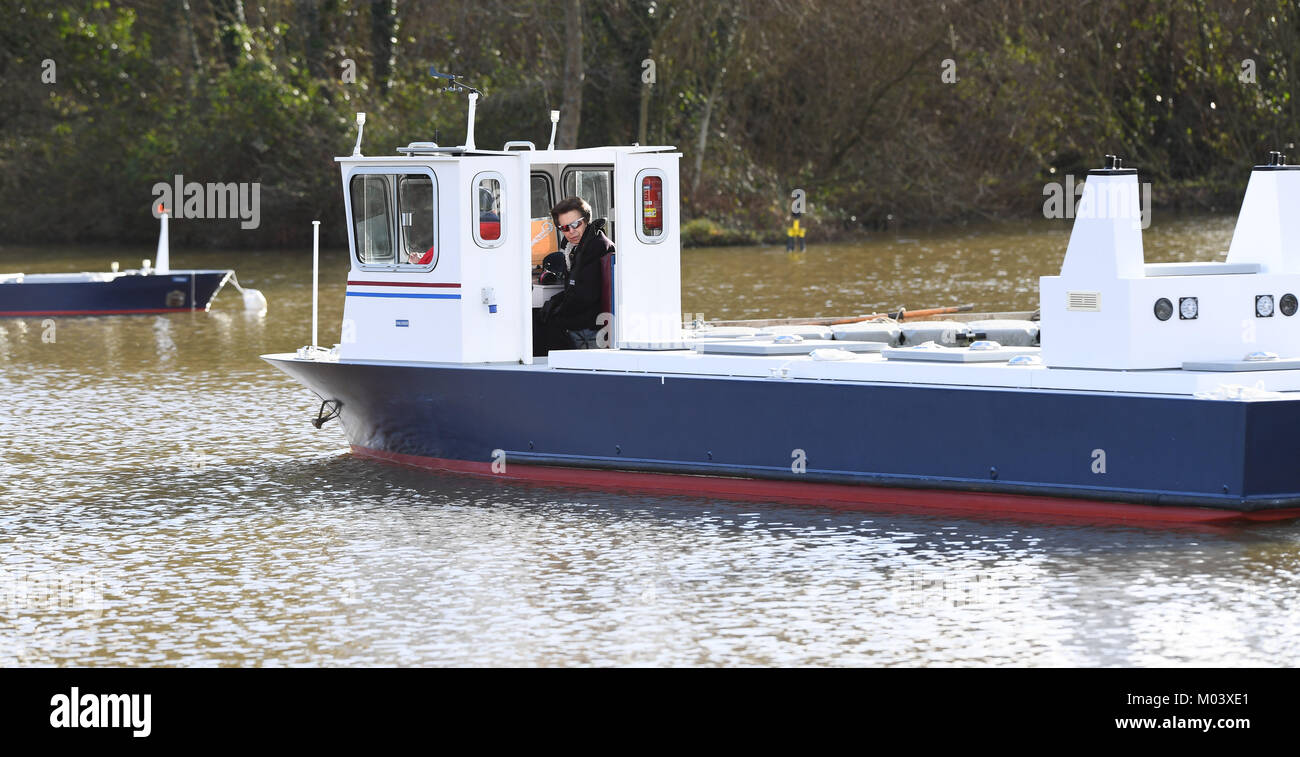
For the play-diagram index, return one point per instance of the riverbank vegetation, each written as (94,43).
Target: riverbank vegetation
(887,114)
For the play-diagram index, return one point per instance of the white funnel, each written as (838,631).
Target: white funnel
(1106,242)
(1268,227)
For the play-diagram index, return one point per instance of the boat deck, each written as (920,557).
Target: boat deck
(878,368)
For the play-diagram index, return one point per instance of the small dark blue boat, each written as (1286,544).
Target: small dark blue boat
(120,293)
(149,289)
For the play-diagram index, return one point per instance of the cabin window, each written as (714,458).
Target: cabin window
(415,198)
(596,186)
(650,226)
(395,220)
(545,237)
(539,186)
(488,231)
(372,215)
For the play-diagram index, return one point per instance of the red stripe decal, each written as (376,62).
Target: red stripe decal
(844,496)
(400,284)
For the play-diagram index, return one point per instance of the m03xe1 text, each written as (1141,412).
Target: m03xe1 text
(1157,700)
(1239,699)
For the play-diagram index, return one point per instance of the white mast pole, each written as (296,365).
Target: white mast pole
(162,258)
(315,276)
(469,129)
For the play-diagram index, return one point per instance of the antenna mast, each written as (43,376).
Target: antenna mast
(456,84)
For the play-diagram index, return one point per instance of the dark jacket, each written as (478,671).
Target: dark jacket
(579,303)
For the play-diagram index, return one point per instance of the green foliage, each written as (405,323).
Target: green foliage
(842,98)
(703,232)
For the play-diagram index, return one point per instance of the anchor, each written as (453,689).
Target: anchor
(333,406)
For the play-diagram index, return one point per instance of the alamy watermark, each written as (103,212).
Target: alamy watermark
(926,587)
(77,710)
(193,458)
(642,327)
(1120,201)
(948,71)
(211,200)
(63,592)
(798,202)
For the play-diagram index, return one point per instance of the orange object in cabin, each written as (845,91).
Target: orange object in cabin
(545,240)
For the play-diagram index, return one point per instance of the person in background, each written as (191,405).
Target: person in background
(568,320)
(416,258)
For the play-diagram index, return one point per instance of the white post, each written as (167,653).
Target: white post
(555,120)
(315,275)
(469,130)
(361,127)
(162,261)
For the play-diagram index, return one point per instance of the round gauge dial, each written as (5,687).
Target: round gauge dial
(1187,308)
(1164,309)
(1264,306)
(1287,304)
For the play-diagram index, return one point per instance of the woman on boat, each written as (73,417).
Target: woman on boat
(569,319)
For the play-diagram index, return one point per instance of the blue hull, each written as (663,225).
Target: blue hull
(1158,451)
(151,293)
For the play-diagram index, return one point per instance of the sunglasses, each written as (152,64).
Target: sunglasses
(572,226)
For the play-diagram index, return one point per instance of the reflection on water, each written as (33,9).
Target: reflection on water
(164,500)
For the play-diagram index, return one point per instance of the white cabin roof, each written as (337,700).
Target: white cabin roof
(598,155)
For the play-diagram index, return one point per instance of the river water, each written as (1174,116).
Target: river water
(164,500)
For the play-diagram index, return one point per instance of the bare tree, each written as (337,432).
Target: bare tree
(230,20)
(383,35)
(317,20)
(730,25)
(196,60)
(574,74)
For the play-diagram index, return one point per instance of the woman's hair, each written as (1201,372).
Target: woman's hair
(570,204)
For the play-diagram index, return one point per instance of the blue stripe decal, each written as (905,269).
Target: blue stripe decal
(406,296)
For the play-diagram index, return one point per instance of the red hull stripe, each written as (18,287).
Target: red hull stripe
(35,313)
(841,496)
(400,284)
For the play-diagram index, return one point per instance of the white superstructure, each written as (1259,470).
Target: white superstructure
(1109,309)
(443,244)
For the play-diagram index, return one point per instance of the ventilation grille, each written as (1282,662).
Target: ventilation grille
(1086,301)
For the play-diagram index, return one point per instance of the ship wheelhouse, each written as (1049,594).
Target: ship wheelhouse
(445,243)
